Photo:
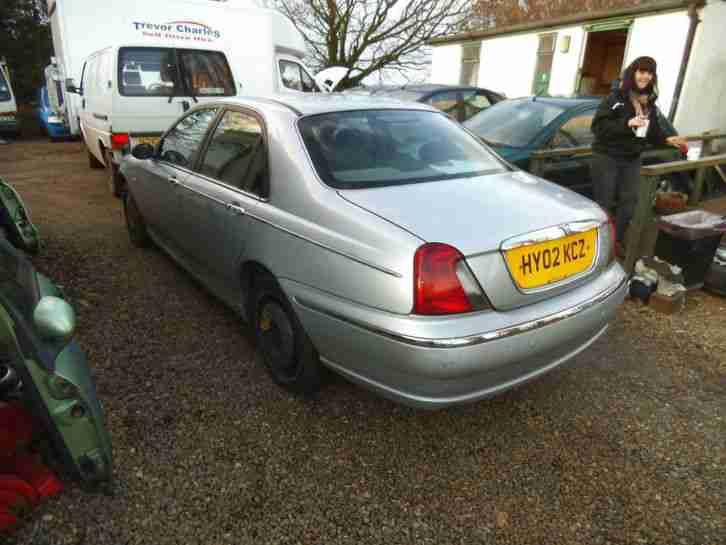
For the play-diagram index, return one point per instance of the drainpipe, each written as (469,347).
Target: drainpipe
(693,15)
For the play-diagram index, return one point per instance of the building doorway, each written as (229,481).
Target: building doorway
(603,61)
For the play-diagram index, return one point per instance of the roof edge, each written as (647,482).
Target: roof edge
(650,8)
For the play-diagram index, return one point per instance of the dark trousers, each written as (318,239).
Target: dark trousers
(615,183)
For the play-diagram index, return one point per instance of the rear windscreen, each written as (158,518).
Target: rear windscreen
(146,71)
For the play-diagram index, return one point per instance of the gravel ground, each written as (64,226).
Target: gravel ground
(626,445)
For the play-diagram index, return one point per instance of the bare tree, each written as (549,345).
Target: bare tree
(367,36)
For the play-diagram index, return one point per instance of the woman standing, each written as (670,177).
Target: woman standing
(625,122)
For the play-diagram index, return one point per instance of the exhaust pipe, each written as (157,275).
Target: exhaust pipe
(9,380)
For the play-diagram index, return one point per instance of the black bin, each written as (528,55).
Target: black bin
(690,240)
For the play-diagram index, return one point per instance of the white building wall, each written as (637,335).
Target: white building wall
(662,37)
(565,65)
(446,64)
(703,98)
(507,64)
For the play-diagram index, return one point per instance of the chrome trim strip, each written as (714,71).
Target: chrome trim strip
(326,247)
(202,194)
(548,234)
(230,187)
(479,338)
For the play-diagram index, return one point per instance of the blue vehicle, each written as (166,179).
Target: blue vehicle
(516,128)
(51,119)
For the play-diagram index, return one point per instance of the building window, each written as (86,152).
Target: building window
(470,64)
(545,54)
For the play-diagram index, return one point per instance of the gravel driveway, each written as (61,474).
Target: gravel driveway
(626,445)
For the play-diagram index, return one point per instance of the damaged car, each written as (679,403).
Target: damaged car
(41,364)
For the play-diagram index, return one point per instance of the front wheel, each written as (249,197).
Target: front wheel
(287,352)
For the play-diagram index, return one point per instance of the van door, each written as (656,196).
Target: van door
(293,77)
(98,106)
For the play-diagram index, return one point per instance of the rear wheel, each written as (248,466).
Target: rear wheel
(115,181)
(135,223)
(285,348)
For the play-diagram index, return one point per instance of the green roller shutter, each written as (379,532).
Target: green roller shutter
(613,24)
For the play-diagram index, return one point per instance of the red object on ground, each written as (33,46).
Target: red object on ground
(7,519)
(24,480)
(37,475)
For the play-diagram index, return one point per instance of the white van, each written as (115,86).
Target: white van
(155,60)
(9,124)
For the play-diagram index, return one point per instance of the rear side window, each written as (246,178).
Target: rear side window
(575,132)
(147,71)
(236,153)
(181,144)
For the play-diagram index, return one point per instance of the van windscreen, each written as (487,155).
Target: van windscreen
(147,71)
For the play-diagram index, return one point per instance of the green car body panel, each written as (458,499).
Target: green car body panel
(36,340)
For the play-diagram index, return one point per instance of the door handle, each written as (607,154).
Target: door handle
(236,209)
(172,180)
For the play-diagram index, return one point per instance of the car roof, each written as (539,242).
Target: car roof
(566,103)
(318,103)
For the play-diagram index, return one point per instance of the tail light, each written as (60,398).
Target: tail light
(443,283)
(613,234)
(119,140)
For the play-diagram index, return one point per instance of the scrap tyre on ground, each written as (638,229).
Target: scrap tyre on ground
(115,182)
(285,348)
(135,223)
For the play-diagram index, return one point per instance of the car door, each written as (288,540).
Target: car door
(230,179)
(157,193)
(572,172)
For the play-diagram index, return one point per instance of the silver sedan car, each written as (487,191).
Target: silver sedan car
(378,239)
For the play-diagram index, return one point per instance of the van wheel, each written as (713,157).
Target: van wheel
(114,179)
(135,223)
(285,348)
(92,161)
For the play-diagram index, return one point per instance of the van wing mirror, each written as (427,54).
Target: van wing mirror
(71,87)
(329,78)
(143,151)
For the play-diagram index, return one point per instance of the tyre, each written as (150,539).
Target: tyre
(115,181)
(135,223)
(92,161)
(286,350)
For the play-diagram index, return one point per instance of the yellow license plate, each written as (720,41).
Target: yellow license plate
(548,262)
(153,140)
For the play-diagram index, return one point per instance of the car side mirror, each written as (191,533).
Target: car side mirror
(71,87)
(54,318)
(143,151)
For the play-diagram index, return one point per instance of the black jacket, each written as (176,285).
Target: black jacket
(613,137)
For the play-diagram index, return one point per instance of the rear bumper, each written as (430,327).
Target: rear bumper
(429,371)
(9,125)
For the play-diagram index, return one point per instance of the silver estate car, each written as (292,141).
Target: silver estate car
(379,239)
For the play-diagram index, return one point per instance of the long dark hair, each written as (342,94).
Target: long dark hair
(628,85)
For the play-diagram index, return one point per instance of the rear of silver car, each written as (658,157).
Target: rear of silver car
(532,282)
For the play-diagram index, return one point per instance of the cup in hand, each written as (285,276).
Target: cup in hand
(642,131)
